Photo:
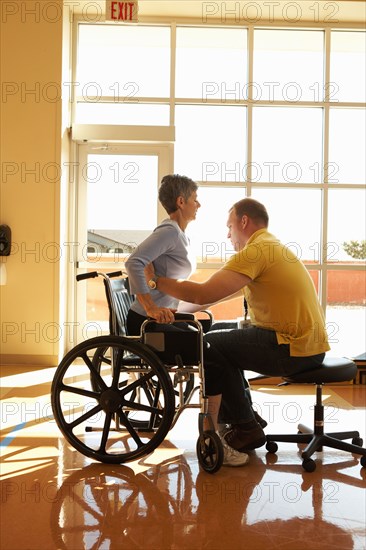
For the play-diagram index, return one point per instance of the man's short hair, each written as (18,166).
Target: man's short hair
(173,186)
(253,209)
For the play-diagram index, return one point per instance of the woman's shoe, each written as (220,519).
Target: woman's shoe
(233,457)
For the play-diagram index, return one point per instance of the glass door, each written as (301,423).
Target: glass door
(117,207)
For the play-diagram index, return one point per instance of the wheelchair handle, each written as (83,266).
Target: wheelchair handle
(115,274)
(90,275)
(94,274)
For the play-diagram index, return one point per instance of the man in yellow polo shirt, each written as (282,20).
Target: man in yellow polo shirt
(287,332)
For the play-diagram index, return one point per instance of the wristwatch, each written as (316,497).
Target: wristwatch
(152,283)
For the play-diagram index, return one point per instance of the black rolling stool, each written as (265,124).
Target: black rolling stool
(332,370)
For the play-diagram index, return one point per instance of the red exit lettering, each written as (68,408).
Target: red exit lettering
(122,11)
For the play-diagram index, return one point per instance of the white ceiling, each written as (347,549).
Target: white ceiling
(244,12)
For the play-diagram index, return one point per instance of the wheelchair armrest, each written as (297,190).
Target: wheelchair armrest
(224,325)
(181,316)
(208,313)
(206,323)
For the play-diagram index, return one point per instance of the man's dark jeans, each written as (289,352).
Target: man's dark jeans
(228,353)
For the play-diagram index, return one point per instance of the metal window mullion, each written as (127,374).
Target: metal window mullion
(122,100)
(346,186)
(266,185)
(173,58)
(348,267)
(250,46)
(325,202)
(286,185)
(207,101)
(200,101)
(220,183)
(266,103)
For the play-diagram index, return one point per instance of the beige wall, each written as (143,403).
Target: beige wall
(31,60)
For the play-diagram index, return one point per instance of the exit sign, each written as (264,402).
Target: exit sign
(122,11)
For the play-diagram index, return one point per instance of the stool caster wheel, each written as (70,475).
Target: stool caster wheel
(309,465)
(210,452)
(357,441)
(271,446)
(363,461)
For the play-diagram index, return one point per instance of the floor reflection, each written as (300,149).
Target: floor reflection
(167,507)
(54,498)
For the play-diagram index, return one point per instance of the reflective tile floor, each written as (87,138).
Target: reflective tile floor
(52,497)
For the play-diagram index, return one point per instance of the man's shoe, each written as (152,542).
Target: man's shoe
(245,440)
(263,423)
(223,428)
(233,457)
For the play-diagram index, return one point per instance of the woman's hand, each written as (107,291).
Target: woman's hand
(161,314)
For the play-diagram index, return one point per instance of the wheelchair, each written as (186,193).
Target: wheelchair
(115,397)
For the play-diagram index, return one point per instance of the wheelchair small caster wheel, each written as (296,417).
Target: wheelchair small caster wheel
(357,441)
(210,452)
(309,465)
(271,446)
(363,461)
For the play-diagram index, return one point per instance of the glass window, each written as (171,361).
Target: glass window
(117,217)
(347,133)
(287,144)
(346,312)
(283,151)
(316,277)
(295,218)
(119,60)
(288,65)
(346,225)
(208,232)
(347,66)
(211,63)
(211,142)
(123,114)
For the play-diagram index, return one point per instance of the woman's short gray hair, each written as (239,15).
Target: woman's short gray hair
(173,186)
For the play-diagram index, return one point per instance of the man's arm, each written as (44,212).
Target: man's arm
(220,285)
(188,307)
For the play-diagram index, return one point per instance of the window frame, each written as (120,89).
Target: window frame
(326,104)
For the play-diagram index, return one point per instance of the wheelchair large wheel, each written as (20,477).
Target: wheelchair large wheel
(120,412)
(101,358)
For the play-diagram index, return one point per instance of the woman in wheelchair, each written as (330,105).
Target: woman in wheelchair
(167,248)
